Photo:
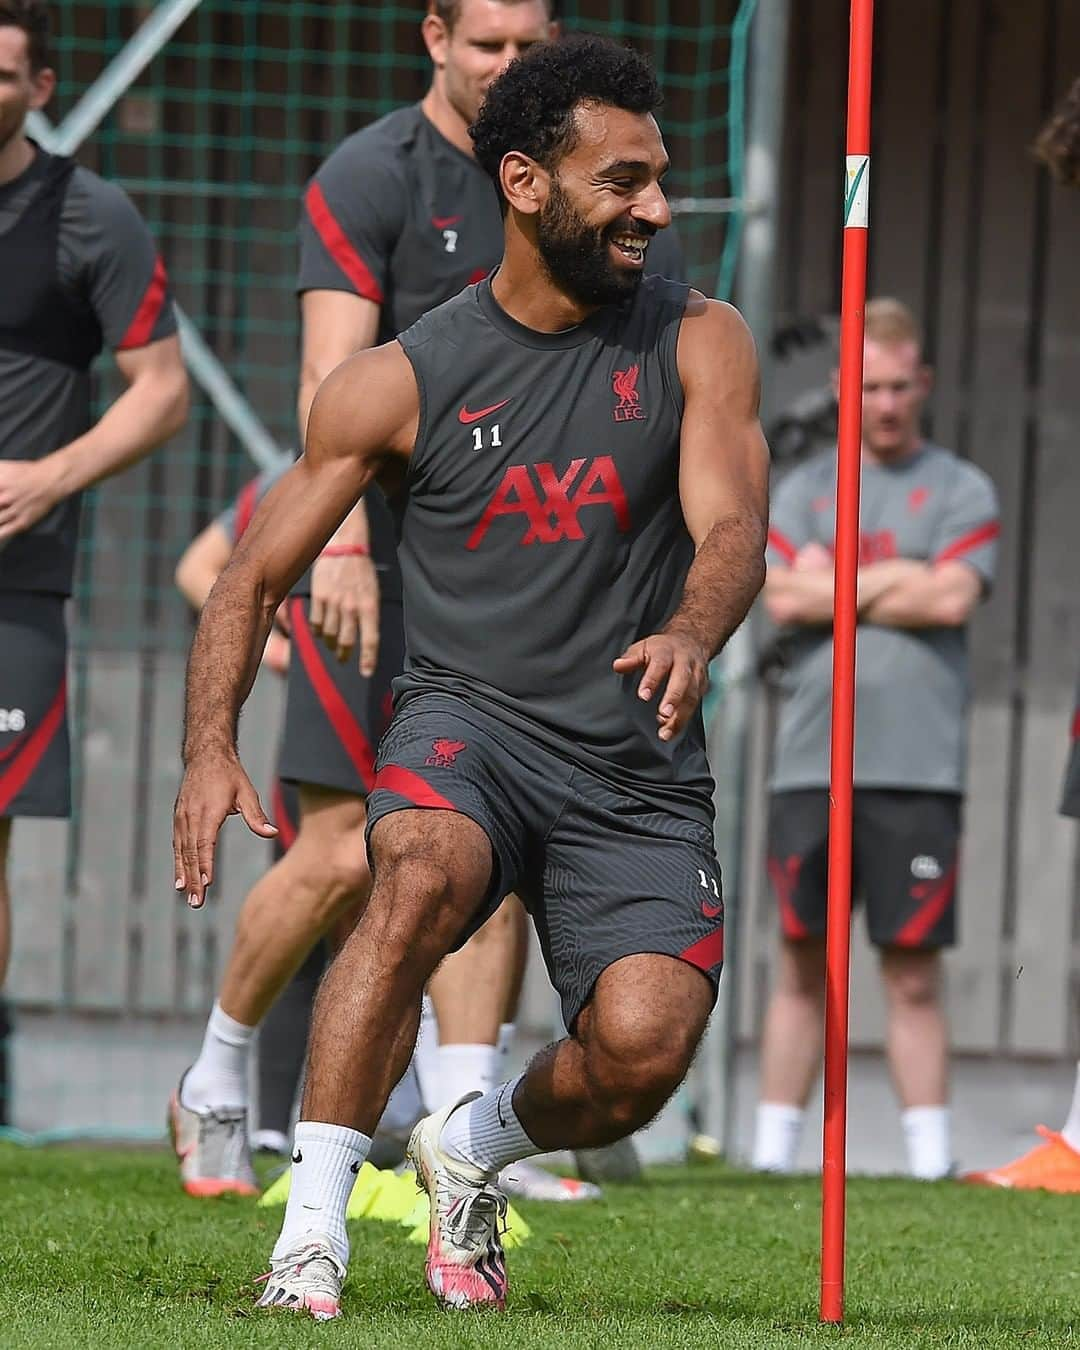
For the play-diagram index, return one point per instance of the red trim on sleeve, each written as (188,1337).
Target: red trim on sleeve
(18,772)
(782,544)
(349,733)
(141,328)
(338,246)
(245,509)
(285,823)
(410,785)
(970,541)
(708,952)
(1076,725)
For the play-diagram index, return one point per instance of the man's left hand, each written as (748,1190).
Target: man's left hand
(677,661)
(28,491)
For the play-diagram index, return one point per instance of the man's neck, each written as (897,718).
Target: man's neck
(527,293)
(15,158)
(446,119)
(871,456)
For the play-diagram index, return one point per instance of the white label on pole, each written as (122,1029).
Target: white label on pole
(857,192)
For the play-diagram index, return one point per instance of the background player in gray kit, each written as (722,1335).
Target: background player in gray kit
(79,272)
(399,218)
(928,545)
(566,584)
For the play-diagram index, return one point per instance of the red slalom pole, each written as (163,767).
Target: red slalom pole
(838,934)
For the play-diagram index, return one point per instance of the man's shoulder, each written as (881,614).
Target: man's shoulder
(954,470)
(93,196)
(386,142)
(810,474)
(446,321)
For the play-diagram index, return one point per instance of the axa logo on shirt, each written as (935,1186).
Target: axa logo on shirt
(624,383)
(551,502)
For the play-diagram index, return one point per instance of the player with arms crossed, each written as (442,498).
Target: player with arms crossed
(568,573)
(78,272)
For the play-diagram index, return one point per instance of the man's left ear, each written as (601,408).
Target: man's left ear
(525,183)
(44,87)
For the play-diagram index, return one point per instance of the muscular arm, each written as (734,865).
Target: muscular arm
(723,487)
(927,595)
(152,408)
(345,590)
(897,593)
(350,435)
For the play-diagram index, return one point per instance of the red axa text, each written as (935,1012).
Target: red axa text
(551,502)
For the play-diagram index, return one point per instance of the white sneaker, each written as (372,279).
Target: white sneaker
(212,1149)
(270,1141)
(526,1180)
(465,1266)
(308,1278)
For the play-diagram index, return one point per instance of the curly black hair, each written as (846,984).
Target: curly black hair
(530,107)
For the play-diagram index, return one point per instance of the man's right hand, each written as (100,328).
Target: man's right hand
(214,786)
(345,607)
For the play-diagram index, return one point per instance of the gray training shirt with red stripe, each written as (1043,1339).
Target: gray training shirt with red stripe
(912,684)
(91,253)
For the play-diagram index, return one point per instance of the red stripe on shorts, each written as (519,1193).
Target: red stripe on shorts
(411,786)
(286,825)
(785,877)
(17,774)
(707,952)
(935,902)
(349,733)
(338,245)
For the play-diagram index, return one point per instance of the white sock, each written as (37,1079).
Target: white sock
(1071,1129)
(426,1056)
(325,1161)
(466,1068)
(777,1132)
(926,1131)
(502,1049)
(487,1134)
(218,1080)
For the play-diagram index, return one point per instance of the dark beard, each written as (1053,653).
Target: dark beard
(576,253)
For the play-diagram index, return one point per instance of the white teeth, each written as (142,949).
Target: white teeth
(633,241)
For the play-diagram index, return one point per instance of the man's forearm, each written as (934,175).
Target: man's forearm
(224,660)
(147,412)
(725,576)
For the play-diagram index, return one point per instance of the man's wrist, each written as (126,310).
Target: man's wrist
(212,747)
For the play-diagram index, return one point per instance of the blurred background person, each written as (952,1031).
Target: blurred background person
(1054,1165)
(928,531)
(78,272)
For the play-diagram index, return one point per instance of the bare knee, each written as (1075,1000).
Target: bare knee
(638,1048)
(801,969)
(912,979)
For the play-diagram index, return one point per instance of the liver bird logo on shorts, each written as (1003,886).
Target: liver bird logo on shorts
(444,753)
(624,383)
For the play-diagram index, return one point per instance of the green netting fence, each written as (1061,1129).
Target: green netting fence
(214,141)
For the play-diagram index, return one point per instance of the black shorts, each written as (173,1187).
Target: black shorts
(604,874)
(35,751)
(905,848)
(285,813)
(334,716)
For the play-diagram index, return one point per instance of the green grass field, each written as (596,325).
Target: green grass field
(100,1248)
